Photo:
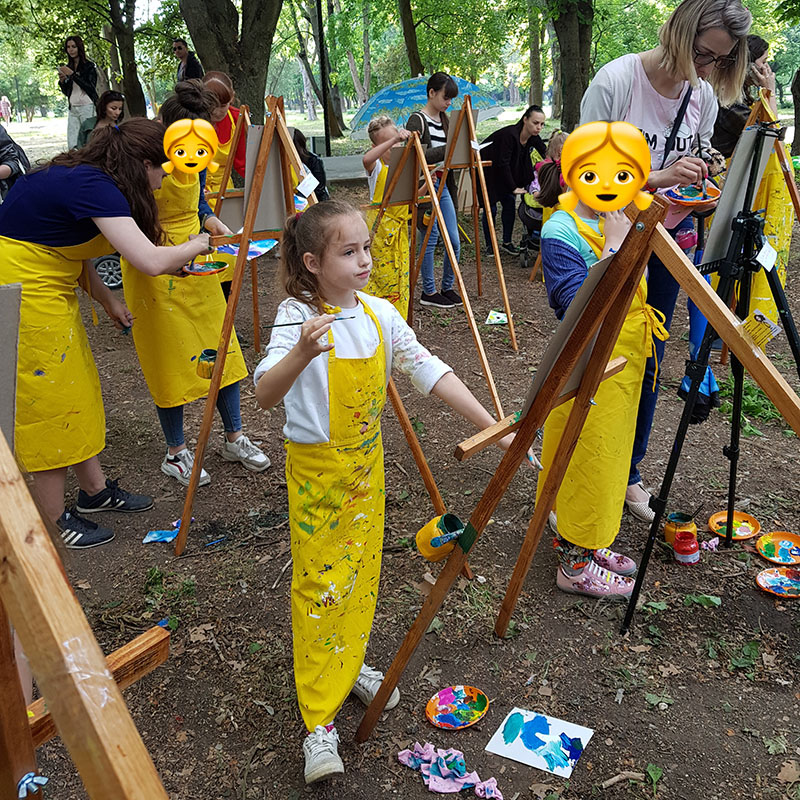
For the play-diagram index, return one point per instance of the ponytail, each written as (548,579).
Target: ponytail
(550,183)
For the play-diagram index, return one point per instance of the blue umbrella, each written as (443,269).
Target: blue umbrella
(401,99)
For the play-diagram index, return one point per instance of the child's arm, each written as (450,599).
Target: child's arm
(273,385)
(371,157)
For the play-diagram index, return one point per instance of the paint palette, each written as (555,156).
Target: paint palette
(780,547)
(692,196)
(456,707)
(780,581)
(204,267)
(745,526)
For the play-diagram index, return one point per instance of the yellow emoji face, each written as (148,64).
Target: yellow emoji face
(606,164)
(190,144)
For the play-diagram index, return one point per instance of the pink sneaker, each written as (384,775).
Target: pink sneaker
(595,581)
(614,562)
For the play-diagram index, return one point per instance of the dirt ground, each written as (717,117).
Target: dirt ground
(704,694)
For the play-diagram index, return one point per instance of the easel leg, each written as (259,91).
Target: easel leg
(476,225)
(256,312)
(536,266)
(17,757)
(412,263)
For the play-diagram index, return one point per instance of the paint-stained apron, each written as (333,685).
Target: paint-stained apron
(177,317)
(389,278)
(59,412)
(591,497)
(336,509)
(213,184)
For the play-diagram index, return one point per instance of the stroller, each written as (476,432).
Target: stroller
(530,212)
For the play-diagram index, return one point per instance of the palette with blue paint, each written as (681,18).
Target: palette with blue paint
(537,740)
(456,707)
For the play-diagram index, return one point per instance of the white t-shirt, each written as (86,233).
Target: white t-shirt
(306,403)
(372,180)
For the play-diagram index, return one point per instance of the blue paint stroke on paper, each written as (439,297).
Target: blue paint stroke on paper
(512,727)
(572,747)
(531,729)
(553,755)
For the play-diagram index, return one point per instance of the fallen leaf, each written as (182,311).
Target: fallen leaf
(667,670)
(83,584)
(790,772)
(546,691)
(640,648)
(730,732)
(198,634)
(182,737)
(769,660)
(541,790)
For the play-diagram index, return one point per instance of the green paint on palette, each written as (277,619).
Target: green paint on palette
(769,548)
(480,703)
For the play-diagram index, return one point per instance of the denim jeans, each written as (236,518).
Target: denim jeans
(448,278)
(171,419)
(662,294)
(508,214)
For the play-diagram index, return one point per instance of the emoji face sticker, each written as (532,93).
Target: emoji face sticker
(605,164)
(190,144)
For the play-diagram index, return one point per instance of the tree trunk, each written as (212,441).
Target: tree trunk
(585,20)
(535,55)
(574,31)
(122,21)
(116,68)
(410,37)
(796,99)
(214,27)
(351,62)
(555,59)
(367,56)
(308,92)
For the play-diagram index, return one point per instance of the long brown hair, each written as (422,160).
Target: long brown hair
(120,150)
(192,99)
(81,49)
(309,232)
(550,183)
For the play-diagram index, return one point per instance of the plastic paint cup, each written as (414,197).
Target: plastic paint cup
(205,364)
(437,538)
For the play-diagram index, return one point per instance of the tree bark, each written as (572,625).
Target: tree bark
(367,55)
(555,59)
(308,92)
(122,22)
(214,27)
(361,95)
(796,99)
(410,37)
(534,55)
(574,31)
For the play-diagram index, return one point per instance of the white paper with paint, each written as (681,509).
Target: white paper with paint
(307,185)
(539,741)
(767,256)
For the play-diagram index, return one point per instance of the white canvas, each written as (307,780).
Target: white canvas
(537,740)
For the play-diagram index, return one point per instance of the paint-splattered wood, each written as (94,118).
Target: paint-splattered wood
(64,656)
(128,664)
(597,308)
(510,423)
(727,326)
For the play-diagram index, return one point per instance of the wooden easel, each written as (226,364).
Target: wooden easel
(275,132)
(83,697)
(418,169)
(463,153)
(605,311)
(760,112)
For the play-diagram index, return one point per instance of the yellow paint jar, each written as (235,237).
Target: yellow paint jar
(678,521)
(437,538)
(205,363)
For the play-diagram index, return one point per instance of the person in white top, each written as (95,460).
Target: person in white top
(330,363)
(702,52)
(78,81)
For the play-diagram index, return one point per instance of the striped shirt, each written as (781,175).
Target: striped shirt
(436,130)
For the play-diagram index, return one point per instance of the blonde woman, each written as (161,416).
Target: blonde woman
(670,93)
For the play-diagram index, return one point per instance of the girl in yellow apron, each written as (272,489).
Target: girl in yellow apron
(178,318)
(590,500)
(390,248)
(83,204)
(330,364)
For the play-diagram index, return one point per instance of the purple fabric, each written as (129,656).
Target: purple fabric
(444,771)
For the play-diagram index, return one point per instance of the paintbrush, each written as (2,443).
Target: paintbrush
(288,324)
(700,156)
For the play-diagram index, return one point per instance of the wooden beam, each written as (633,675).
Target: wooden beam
(69,667)
(728,327)
(128,664)
(510,423)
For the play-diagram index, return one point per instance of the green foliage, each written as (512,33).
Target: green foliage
(705,600)
(654,775)
(755,404)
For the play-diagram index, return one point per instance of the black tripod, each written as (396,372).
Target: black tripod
(737,266)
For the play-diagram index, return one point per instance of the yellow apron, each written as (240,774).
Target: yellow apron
(213,184)
(175,318)
(591,497)
(390,251)
(59,413)
(336,509)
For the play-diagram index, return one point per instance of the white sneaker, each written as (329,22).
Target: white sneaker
(320,748)
(552,520)
(180,467)
(245,451)
(367,684)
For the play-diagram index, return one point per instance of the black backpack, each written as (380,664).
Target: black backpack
(13,155)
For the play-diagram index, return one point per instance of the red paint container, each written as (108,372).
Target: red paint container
(686,549)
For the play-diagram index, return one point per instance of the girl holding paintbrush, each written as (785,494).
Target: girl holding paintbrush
(331,370)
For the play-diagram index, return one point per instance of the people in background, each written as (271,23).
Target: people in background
(77,79)
(189,65)
(110,111)
(313,162)
(13,163)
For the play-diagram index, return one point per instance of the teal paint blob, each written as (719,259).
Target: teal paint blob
(512,728)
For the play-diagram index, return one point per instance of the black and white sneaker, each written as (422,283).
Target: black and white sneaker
(435,300)
(78,533)
(112,498)
(510,247)
(453,296)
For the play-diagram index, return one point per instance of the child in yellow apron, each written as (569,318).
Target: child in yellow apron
(330,366)
(179,317)
(590,500)
(390,247)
